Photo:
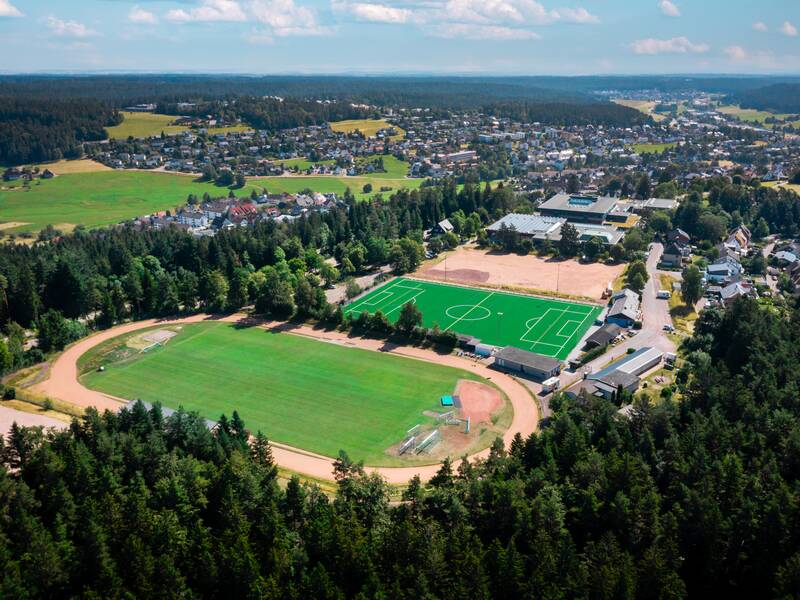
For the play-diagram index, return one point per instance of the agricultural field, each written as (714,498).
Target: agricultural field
(752,115)
(142,125)
(108,197)
(545,326)
(369,127)
(652,148)
(643,106)
(313,395)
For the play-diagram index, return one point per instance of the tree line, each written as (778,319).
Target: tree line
(102,277)
(270,114)
(39,130)
(691,495)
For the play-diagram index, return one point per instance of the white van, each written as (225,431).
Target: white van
(664,294)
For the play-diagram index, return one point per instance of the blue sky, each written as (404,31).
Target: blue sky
(402,36)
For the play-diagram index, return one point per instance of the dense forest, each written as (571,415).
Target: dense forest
(382,89)
(691,496)
(271,114)
(778,98)
(38,130)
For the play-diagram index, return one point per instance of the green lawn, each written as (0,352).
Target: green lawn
(651,148)
(369,127)
(544,326)
(142,125)
(309,394)
(106,198)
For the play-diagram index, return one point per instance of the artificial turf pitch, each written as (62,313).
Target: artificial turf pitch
(545,326)
(313,395)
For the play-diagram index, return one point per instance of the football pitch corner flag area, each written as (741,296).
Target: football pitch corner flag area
(546,326)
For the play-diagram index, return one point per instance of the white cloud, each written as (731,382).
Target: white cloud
(209,10)
(483,32)
(669,8)
(68,28)
(374,12)
(760,26)
(9,10)
(736,53)
(677,45)
(528,12)
(578,15)
(285,18)
(139,15)
(788,29)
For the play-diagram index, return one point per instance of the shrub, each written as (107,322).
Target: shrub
(9,393)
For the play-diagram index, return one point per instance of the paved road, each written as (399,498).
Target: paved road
(9,416)
(655,314)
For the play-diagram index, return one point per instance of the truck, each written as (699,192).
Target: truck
(551,385)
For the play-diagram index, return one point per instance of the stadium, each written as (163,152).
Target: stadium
(551,327)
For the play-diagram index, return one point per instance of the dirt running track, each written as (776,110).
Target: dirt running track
(63,384)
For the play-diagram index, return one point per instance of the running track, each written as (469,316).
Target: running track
(63,384)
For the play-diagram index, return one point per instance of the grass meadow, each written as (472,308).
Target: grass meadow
(142,125)
(309,394)
(96,199)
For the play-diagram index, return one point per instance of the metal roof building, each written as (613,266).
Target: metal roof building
(578,207)
(535,226)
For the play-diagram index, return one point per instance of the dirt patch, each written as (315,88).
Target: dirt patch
(565,277)
(478,401)
(461,275)
(12,225)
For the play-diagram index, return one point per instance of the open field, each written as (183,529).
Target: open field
(318,396)
(531,273)
(109,197)
(643,106)
(545,326)
(142,125)
(651,148)
(395,168)
(70,167)
(369,127)
(752,115)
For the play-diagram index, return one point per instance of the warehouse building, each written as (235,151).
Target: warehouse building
(537,366)
(579,208)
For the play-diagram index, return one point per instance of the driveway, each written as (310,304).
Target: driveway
(655,314)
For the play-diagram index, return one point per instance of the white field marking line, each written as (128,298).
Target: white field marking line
(546,331)
(524,337)
(576,330)
(569,335)
(402,304)
(454,323)
(381,294)
(361,302)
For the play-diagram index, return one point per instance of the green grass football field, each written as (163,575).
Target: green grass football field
(545,326)
(313,395)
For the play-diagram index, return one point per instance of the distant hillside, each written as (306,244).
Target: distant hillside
(778,98)
(551,101)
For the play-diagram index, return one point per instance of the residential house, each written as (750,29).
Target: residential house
(723,270)
(624,309)
(739,240)
(680,236)
(675,254)
(737,289)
